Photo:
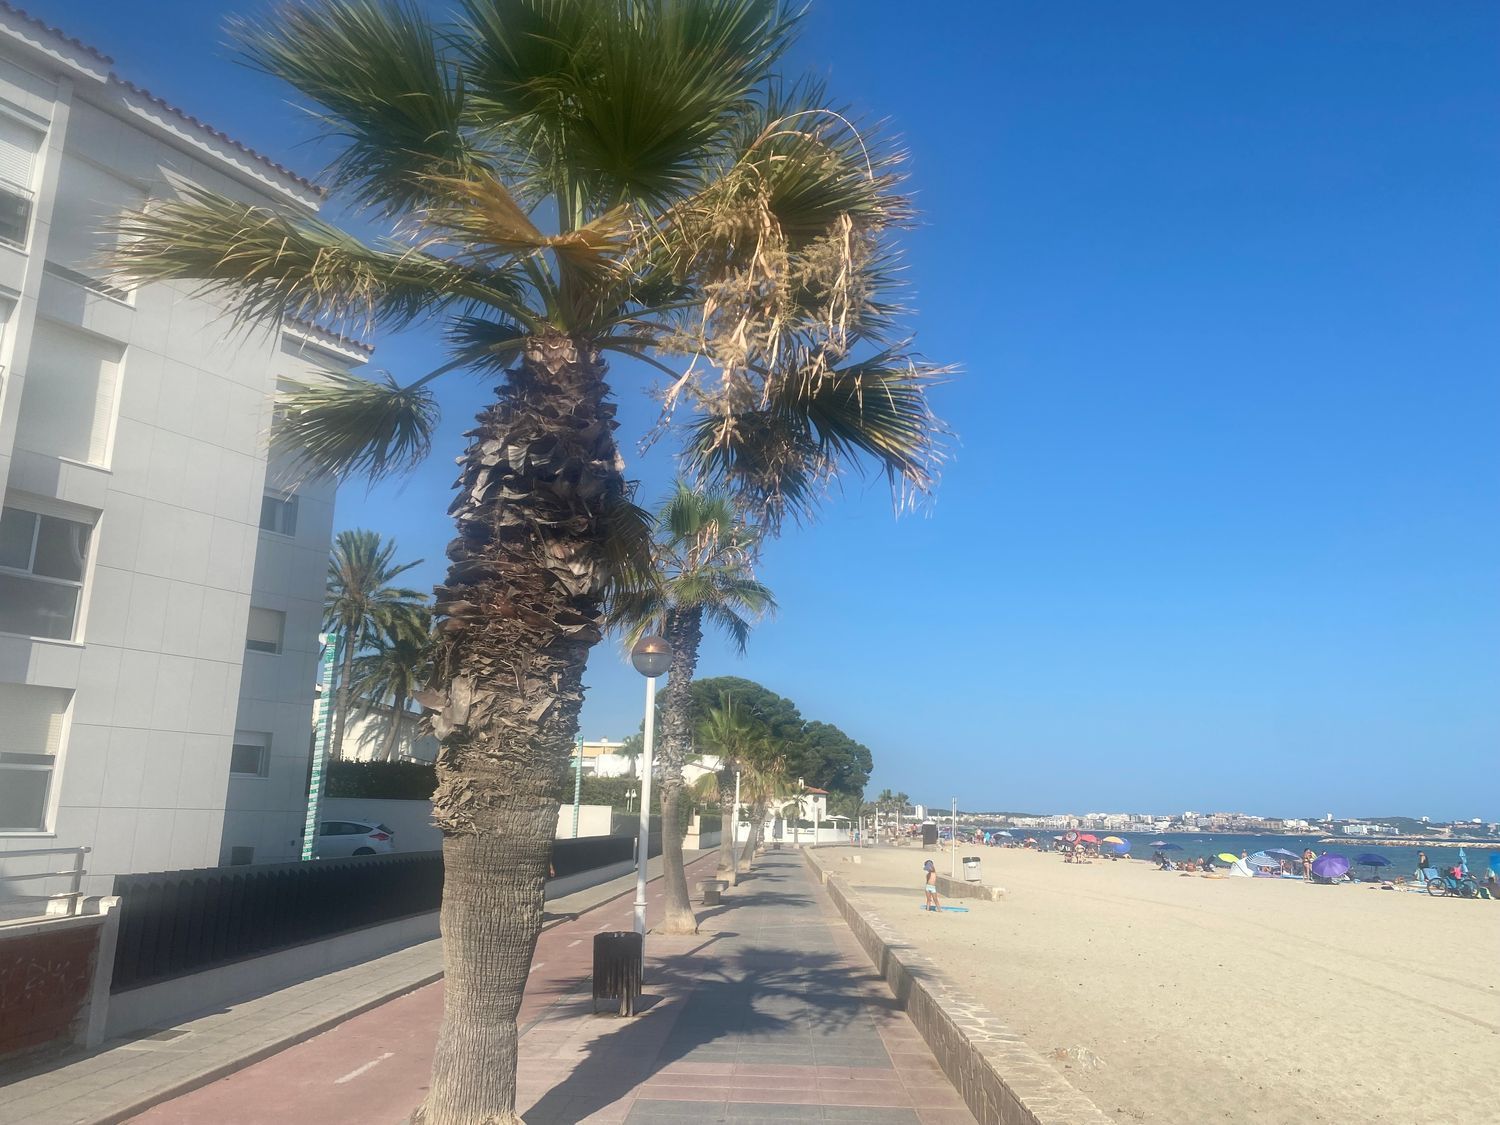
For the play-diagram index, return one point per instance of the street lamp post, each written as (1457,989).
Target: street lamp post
(651,657)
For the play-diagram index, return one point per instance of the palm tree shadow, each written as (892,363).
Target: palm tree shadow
(767,999)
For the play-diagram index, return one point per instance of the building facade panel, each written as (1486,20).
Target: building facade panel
(134,471)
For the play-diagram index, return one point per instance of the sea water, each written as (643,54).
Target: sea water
(1403,859)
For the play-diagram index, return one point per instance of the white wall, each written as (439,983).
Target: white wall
(414,831)
(171,483)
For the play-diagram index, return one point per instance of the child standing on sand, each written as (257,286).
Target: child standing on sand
(929,887)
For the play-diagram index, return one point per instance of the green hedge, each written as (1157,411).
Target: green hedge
(412,781)
(380,781)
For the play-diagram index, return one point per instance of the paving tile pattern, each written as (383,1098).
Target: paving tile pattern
(770,1014)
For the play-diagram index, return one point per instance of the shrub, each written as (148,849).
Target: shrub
(381,781)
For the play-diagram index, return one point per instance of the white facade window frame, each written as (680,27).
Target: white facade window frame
(12,186)
(54,788)
(251,739)
(81,585)
(286,503)
(261,646)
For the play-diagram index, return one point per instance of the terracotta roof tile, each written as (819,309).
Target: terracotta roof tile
(162,103)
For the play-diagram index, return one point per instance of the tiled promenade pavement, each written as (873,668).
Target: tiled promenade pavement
(770,1014)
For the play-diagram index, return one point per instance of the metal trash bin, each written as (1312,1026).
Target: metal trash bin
(971,869)
(618,965)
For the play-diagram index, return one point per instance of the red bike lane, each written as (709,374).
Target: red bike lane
(373,1068)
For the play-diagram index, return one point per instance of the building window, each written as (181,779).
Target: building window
(83,233)
(265,631)
(30,738)
(240,855)
(278,513)
(68,399)
(41,573)
(18,148)
(250,756)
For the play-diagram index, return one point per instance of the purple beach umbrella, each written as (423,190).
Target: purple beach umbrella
(1330,866)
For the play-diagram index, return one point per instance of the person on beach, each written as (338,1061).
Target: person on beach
(1422,864)
(929,887)
(1307,862)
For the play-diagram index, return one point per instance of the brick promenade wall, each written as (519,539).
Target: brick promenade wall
(45,976)
(1001,1079)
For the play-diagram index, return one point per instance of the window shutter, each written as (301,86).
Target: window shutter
(264,631)
(68,402)
(18,148)
(33,718)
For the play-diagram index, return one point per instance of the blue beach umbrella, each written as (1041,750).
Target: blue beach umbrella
(1370,859)
(1168,847)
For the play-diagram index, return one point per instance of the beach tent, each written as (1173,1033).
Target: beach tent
(1241,868)
(1264,863)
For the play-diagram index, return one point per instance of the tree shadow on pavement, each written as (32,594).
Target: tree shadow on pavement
(778,993)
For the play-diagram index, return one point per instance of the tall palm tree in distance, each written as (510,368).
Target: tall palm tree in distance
(392,671)
(563,180)
(703,575)
(362,606)
(740,741)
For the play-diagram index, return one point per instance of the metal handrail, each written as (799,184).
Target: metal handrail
(77,872)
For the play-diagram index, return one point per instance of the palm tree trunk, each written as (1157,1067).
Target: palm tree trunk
(520,611)
(731,821)
(683,630)
(341,696)
(393,736)
(757,823)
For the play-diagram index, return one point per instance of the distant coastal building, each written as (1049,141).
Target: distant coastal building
(160,583)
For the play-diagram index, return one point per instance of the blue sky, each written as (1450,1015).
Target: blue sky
(1219,528)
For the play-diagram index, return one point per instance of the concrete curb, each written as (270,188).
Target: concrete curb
(962,888)
(1000,1078)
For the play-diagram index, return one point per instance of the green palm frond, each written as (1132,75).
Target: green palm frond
(619,100)
(381,79)
(275,265)
(343,426)
(780,456)
(361,602)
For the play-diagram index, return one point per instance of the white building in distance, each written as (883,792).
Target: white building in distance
(160,593)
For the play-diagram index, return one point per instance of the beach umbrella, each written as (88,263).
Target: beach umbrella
(1371,860)
(1167,847)
(1330,866)
(1111,840)
(1229,857)
(1157,844)
(1122,847)
(1283,852)
(1264,859)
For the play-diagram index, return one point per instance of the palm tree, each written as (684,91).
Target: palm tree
(397,667)
(565,180)
(703,574)
(738,739)
(361,606)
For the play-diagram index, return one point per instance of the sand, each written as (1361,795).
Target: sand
(1221,1000)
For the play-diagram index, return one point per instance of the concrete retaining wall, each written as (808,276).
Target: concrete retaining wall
(412,820)
(960,888)
(1001,1079)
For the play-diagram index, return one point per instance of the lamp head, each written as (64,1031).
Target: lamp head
(652,656)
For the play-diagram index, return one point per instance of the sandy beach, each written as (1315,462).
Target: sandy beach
(1221,1000)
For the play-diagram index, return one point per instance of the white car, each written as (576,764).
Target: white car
(339,838)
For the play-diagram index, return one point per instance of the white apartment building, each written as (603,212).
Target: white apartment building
(160,589)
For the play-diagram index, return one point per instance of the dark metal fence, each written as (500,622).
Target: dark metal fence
(178,922)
